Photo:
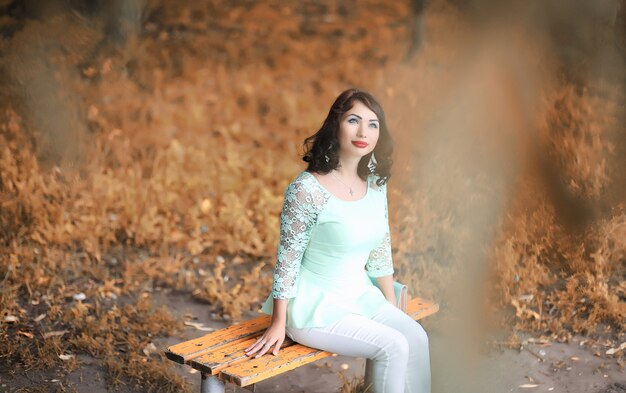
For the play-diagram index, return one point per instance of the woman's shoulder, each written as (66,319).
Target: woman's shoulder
(305,184)
(303,179)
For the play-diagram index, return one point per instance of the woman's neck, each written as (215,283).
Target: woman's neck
(348,167)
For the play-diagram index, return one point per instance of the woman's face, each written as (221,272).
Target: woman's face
(358,131)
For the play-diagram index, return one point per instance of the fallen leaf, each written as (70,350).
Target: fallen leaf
(612,351)
(205,206)
(149,349)
(54,334)
(66,357)
(29,335)
(538,341)
(10,318)
(39,317)
(526,298)
(199,326)
(89,72)
(79,296)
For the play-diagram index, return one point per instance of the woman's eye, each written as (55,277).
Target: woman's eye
(352,120)
(373,125)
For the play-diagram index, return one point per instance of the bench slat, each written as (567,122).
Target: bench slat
(255,370)
(418,308)
(213,362)
(185,351)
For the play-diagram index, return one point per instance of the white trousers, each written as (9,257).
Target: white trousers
(395,346)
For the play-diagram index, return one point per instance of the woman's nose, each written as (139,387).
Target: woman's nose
(360,132)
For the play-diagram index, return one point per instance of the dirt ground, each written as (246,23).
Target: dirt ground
(574,367)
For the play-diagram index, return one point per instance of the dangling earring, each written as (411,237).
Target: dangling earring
(372,163)
(330,148)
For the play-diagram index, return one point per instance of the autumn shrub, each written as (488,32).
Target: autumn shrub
(558,278)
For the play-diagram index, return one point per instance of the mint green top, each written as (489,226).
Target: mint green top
(328,247)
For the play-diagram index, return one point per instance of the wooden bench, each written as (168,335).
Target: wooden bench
(220,357)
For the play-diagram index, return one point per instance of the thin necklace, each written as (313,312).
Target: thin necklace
(349,186)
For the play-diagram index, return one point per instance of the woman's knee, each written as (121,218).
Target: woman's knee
(395,347)
(421,334)
(398,346)
(415,335)
(418,338)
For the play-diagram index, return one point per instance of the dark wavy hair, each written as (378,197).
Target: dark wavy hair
(321,150)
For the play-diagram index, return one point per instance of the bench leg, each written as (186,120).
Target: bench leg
(211,384)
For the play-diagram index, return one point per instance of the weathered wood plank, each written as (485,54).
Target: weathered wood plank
(418,308)
(222,352)
(227,356)
(185,351)
(268,365)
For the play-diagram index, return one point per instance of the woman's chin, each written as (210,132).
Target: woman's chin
(357,153)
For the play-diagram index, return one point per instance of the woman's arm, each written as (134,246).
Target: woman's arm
(385,284)
(302,203)
(274,335)
(380,261)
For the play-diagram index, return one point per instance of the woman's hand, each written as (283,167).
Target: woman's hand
(273,336)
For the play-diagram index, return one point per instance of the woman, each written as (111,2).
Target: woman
(334,236)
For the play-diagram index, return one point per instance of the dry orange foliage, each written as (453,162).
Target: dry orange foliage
(191,141)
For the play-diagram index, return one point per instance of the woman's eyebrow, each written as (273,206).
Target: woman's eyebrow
(354,114)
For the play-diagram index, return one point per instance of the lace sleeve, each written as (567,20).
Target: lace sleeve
(302,204)
(380,262)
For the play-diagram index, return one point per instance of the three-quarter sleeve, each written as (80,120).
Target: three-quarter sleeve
(302,204)
(380,262)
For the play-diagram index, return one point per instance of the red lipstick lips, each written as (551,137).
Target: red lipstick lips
(360,144)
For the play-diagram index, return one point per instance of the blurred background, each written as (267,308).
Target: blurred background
(145,146)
